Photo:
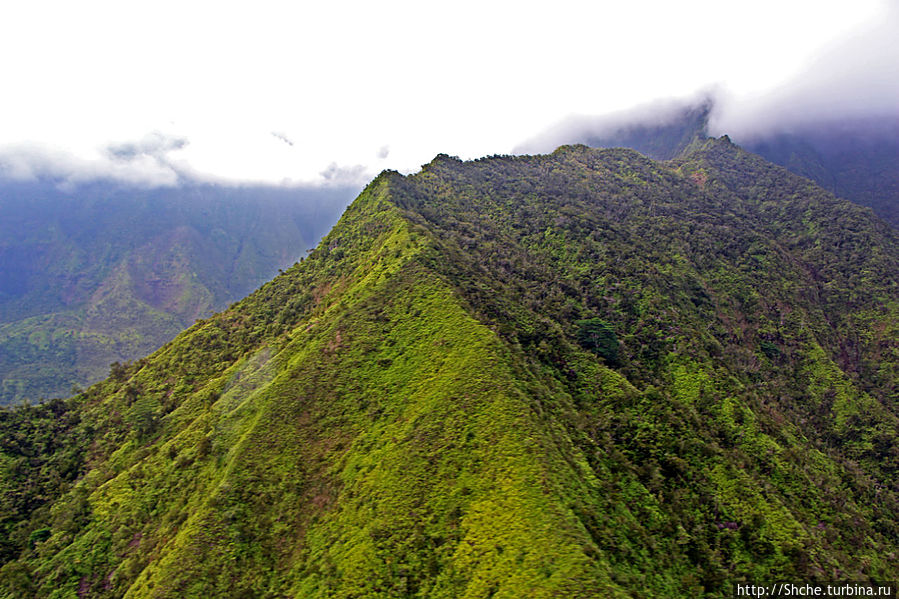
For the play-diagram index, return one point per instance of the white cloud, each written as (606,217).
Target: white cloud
(27,161)
(854,76)
(584,128)
(344,80)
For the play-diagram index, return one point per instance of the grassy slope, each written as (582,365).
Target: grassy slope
(408,411)
(388,429)
(758,313)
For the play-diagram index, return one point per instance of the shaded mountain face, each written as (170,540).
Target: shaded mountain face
(109,274)
(661,138)
(583,374)
(856,159)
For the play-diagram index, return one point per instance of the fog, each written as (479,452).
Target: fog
(654,115)
(855,78)
(329,94)
(853,81)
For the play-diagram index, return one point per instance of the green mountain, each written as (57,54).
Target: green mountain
(108,273)
(586,374)
(856,159)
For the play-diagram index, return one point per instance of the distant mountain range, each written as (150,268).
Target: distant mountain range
(582,374)
(107,273)
(857,160)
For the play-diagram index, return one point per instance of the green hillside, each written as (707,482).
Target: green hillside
(585,374)
(107,273)
(856,160)
(853,158)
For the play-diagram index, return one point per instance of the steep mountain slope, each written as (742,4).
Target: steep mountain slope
(583,374)
(857,160)
(661,138)
(109,273)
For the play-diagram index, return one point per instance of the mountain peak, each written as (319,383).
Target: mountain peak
(855,158)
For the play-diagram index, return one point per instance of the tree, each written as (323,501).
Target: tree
(598,336)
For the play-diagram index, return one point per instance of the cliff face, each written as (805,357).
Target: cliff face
(582,374)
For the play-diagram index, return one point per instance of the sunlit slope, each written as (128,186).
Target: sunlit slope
(583,374)
(381,442)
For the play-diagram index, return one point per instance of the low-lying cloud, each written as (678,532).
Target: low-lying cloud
(28,162)
(154,145)
(585,129)
(282,137)
(355,175)
(325,139)
(149,162)
(854,79)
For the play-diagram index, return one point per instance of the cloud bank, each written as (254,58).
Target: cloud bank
(854,79)
(657,114)
(155,160)
(279,93)
(145,163)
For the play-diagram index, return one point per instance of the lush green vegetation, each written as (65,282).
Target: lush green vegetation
(583,374)
(856,159)
(107,274)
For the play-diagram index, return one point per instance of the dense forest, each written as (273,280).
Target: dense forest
(853,158)
(580,374)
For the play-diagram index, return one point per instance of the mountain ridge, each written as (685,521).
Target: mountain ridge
(855,158)
(431,404)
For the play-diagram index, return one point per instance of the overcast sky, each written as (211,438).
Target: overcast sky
(280,92)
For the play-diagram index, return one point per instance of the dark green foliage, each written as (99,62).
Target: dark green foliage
(771,351)
(42,451)
(41,534)
(424,406)
(856,159)
(599,336)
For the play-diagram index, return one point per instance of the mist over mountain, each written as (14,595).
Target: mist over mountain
(583,374)
(855,157)
(104,272)
(649,354)
(660,130)
(855,78)
(77,250)
(834,120)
